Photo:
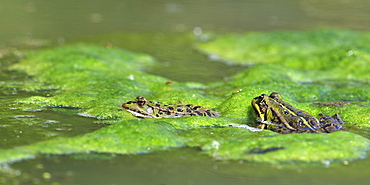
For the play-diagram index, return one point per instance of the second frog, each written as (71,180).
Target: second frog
(279,116)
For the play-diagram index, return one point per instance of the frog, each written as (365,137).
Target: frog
(279,116)
(142,108)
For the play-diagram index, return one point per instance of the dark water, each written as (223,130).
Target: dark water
(160,28)
(178,166)
(19,128)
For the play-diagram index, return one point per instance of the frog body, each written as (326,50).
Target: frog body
(277,115)
(143,108)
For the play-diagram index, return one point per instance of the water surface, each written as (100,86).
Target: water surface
(162,29)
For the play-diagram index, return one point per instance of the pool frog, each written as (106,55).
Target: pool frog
(279,116)
(147,109)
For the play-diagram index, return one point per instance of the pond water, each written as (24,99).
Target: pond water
(178,166)
(160,28)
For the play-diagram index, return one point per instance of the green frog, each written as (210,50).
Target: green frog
(279,116)
(147,109)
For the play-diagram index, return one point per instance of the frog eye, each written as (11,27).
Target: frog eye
(141,102)
(140,98)
(275,96)
(263,108)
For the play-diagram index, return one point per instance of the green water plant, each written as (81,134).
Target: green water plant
(319,66)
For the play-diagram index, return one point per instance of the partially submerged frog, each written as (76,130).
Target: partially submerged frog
(148,109)
(279,116)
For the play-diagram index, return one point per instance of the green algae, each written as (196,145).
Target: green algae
(327,50)
(120,138)
(320,74)
(97,80)
(269,147)
(82,76)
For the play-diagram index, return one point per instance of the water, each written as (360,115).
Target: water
(67,18)
(178,166)
(159,28)
(20,128)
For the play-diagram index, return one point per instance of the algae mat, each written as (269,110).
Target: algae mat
(305,67)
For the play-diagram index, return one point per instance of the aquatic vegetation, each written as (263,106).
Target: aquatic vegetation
(305,67)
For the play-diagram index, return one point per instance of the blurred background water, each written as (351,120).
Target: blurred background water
(66,19)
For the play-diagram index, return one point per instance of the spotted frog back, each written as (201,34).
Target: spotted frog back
(143,108)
